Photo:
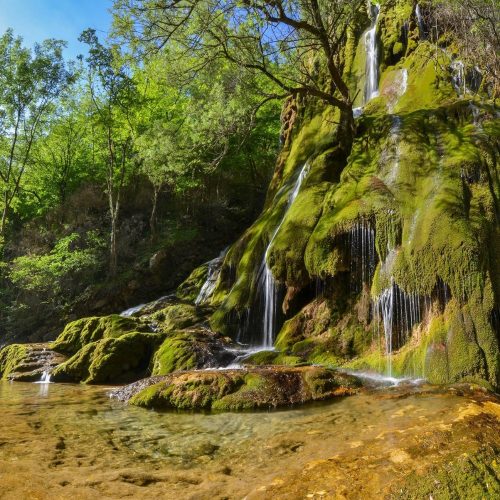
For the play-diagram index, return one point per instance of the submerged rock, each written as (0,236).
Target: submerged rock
(233,390)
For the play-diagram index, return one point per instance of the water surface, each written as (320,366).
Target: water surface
(73,441)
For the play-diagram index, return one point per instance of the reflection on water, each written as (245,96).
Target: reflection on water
(74,441)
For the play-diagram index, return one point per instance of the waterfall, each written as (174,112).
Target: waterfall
(420,22)
(150,306)
(132,310)
(362,254)
(398,312)
(214,267)
(371,46)
(384,309)
(45,379)
(266,281)
(458,77)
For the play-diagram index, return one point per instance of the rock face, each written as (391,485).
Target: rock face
(387,258)
(232,390)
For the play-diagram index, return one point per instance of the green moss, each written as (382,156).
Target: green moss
(273,358)
(190,288)
(110,360)
(393,15)
(11,357)
(176,353)
(179,316)
(476,475)
(79,333)
(425,179)
(244,390)
(286,255)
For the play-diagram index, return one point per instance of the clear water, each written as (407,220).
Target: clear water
(73,441)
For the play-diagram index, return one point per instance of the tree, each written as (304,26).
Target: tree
(113,99)
(29,84)
(191,130)
(63,155)
(287,41)
(475,28)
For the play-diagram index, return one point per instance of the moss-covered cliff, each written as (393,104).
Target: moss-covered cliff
(403,232)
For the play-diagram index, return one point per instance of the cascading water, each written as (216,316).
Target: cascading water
(420,22)
(371,46)
(362,254)
(398,312)
(214,267)
(458,77)
(155,304)
(266,281)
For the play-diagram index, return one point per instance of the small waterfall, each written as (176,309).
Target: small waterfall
(45,379)
(150,306)
(420,22)
(458,77)
(214,268)
(371,46)
(362,254)
(266,281)
(132,310)
(384,309)
(398,312)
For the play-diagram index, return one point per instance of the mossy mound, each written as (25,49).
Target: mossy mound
(115,349)
(110,360)
(178,316)
(189,349)
(190,288)
(27,362)
(79,333)
(421,182)
(234,390)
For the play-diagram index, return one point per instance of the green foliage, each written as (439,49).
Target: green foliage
(48,274)
(30,82)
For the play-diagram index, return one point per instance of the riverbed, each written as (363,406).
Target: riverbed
(74,441)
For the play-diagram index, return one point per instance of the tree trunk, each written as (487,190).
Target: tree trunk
(152,218)
(346,130)
(4,212)
(113,258)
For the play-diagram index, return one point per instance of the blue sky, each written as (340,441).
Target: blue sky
(36,20)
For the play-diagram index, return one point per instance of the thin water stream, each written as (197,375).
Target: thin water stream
(267,283)
(73,441)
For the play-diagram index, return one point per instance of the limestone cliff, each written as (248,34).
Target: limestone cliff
(393,249)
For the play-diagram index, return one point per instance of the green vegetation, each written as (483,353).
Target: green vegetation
(243,390)
(146,149)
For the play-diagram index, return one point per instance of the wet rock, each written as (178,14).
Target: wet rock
(28,362)
(233,390)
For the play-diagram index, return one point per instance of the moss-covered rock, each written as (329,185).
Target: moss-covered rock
(79,333)
(233,390)
(422,176)
(110,360)
(190,288)
(27,362)
(189,349)
(178,316)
